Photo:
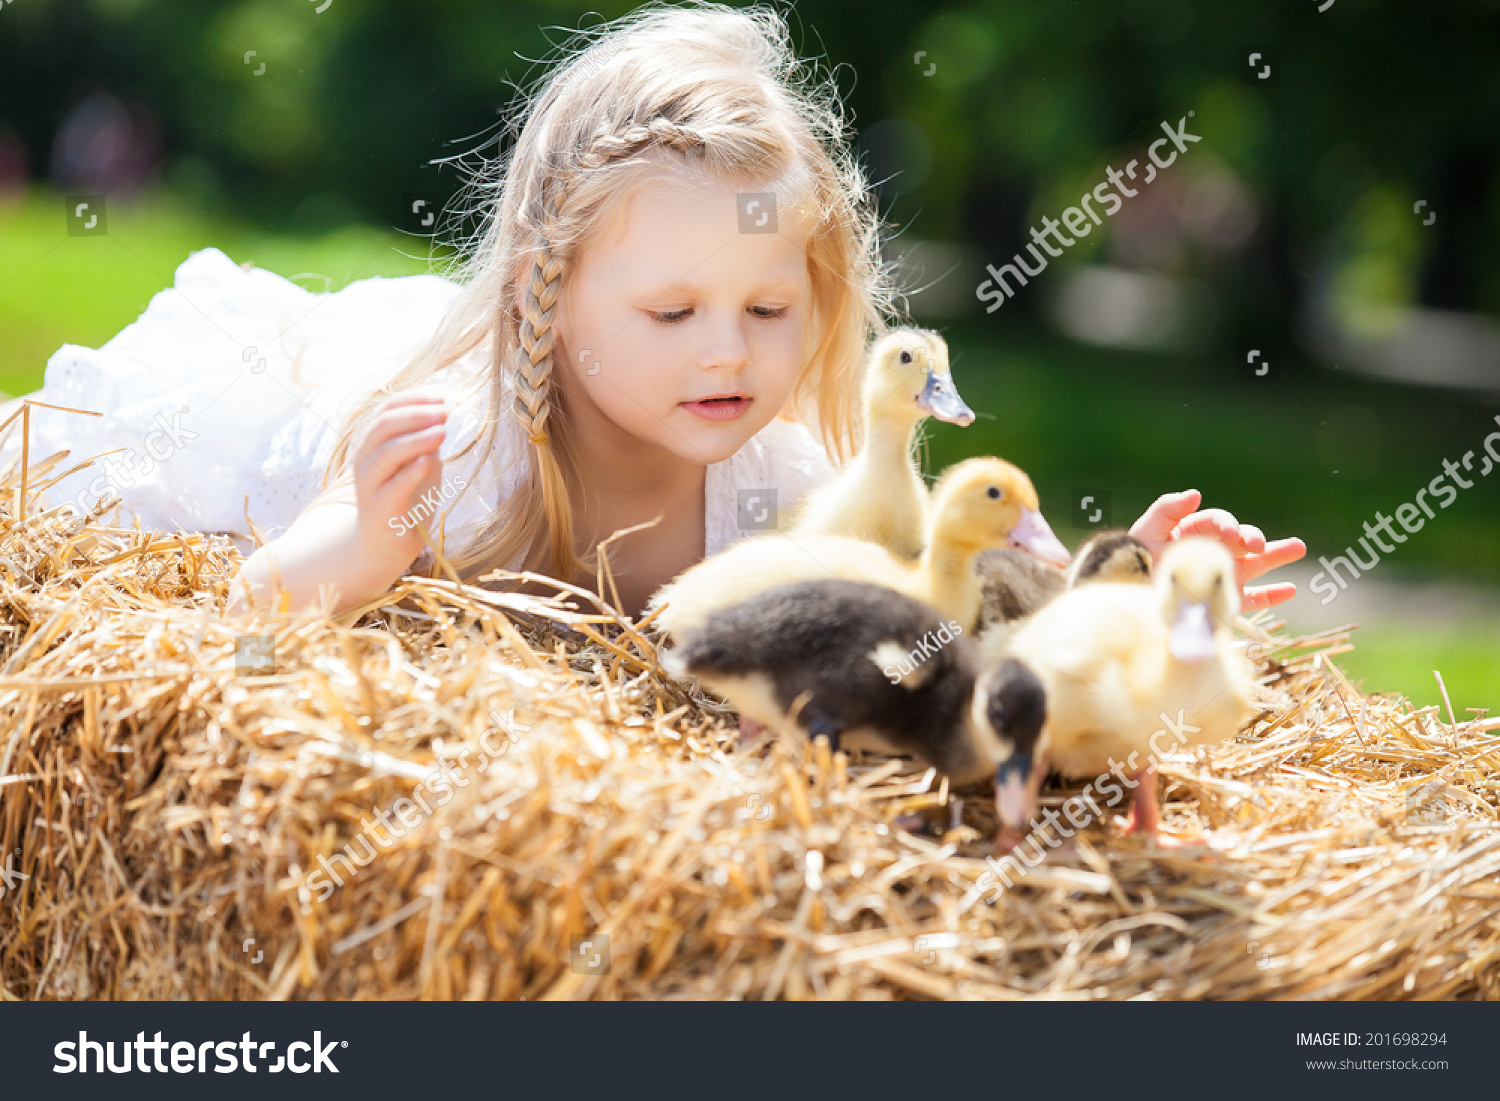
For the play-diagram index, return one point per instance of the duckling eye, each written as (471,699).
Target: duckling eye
(905,357)
(995,493)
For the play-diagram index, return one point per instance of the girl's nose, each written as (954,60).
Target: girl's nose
(727,344)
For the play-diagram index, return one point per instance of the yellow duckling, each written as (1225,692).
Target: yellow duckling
(880,496)
(978,503)
(1131,673)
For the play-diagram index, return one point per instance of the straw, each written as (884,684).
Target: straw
(611,839)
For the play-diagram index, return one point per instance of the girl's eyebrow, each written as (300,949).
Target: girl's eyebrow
(784,282)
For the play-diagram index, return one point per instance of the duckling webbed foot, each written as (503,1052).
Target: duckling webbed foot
(750,730)
(1007,839)
(1145,812)
(913,822)
(820,726)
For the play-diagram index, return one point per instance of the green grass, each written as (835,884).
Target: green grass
(1390,657)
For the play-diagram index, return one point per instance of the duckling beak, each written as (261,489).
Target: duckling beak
(1033,535)
(939,398)
(1013,798)
(1192,639)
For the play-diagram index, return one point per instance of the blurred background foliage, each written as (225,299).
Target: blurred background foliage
(1341,216)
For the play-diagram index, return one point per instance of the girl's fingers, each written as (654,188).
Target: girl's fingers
(1264,596)
(410,397)
(392,422)
(414,469)
(402,487)
(389,458)
(1155,526)
(1283,551)
(1279,553)
(1171,517)
(1214,523)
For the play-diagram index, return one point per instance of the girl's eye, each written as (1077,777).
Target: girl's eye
(765,313)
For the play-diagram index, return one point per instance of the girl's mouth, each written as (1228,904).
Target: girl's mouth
(726,408)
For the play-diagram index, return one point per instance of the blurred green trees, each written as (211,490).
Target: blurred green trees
(1371,106)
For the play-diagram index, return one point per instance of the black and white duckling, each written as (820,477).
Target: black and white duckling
(1015,585)
(1132,672)
(978,503)
(880,496)
(870,669)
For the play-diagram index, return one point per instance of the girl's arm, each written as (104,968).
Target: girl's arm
(356,536)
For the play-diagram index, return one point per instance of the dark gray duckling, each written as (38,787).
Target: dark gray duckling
(870,668)
(1015,585)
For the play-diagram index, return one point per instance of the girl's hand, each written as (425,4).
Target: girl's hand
(1171,517)
(396,465)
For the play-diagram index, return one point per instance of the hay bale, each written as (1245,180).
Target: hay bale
(182,823)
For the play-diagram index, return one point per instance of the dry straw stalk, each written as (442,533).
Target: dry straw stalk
(169,812)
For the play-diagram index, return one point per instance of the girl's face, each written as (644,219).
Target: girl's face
(674,307)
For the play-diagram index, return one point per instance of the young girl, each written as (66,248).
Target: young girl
(665,321)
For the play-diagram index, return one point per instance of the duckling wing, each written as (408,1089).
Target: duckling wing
(856,655)
(1015,584)
(755,565)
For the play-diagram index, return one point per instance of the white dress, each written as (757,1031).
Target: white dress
(214,425)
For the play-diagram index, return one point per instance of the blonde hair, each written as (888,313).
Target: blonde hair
(698,86)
